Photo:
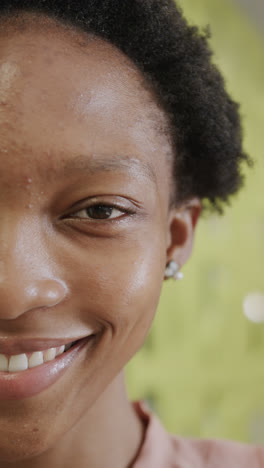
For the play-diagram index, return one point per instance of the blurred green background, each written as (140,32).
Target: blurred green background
(202,366)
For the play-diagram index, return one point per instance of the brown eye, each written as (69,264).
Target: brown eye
(99,211)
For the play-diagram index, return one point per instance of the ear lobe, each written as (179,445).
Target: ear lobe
(181,228)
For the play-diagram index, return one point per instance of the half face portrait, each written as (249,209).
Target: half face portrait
(102,184)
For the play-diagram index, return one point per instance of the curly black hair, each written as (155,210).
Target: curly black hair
(176,60)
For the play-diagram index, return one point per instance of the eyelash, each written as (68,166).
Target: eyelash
(104,205)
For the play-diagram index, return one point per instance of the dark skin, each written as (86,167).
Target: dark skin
(61,271)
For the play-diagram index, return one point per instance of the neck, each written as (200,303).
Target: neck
(110,434)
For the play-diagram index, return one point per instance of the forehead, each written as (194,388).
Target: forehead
(62,92)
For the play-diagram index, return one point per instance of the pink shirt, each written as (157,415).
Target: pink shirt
(162,450)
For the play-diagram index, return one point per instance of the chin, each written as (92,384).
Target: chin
(21,447)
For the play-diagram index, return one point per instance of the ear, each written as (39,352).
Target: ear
(181,227)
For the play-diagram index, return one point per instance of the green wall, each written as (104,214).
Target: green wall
(202,366)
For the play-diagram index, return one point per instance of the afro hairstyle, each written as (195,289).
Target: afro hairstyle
(176,61)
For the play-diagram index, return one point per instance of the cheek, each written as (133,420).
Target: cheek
(136,285)
(119,285)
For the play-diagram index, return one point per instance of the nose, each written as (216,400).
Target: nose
(44,293)
(18,298)
(29,276)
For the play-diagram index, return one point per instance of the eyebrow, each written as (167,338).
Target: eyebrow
(93,165)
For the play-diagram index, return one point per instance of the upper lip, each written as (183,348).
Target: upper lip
(13,346)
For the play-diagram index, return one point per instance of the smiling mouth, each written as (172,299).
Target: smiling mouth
(28,374)
(24,361)
(28,360)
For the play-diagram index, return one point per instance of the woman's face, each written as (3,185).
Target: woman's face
(78,129)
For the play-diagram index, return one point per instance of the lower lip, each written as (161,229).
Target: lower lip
(25,384)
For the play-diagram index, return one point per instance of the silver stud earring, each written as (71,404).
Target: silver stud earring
(172,271)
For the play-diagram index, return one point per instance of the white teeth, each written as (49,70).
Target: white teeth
(60,350)
(36,359)
(21,362)
(49,355)
(18,363)
(3,363)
